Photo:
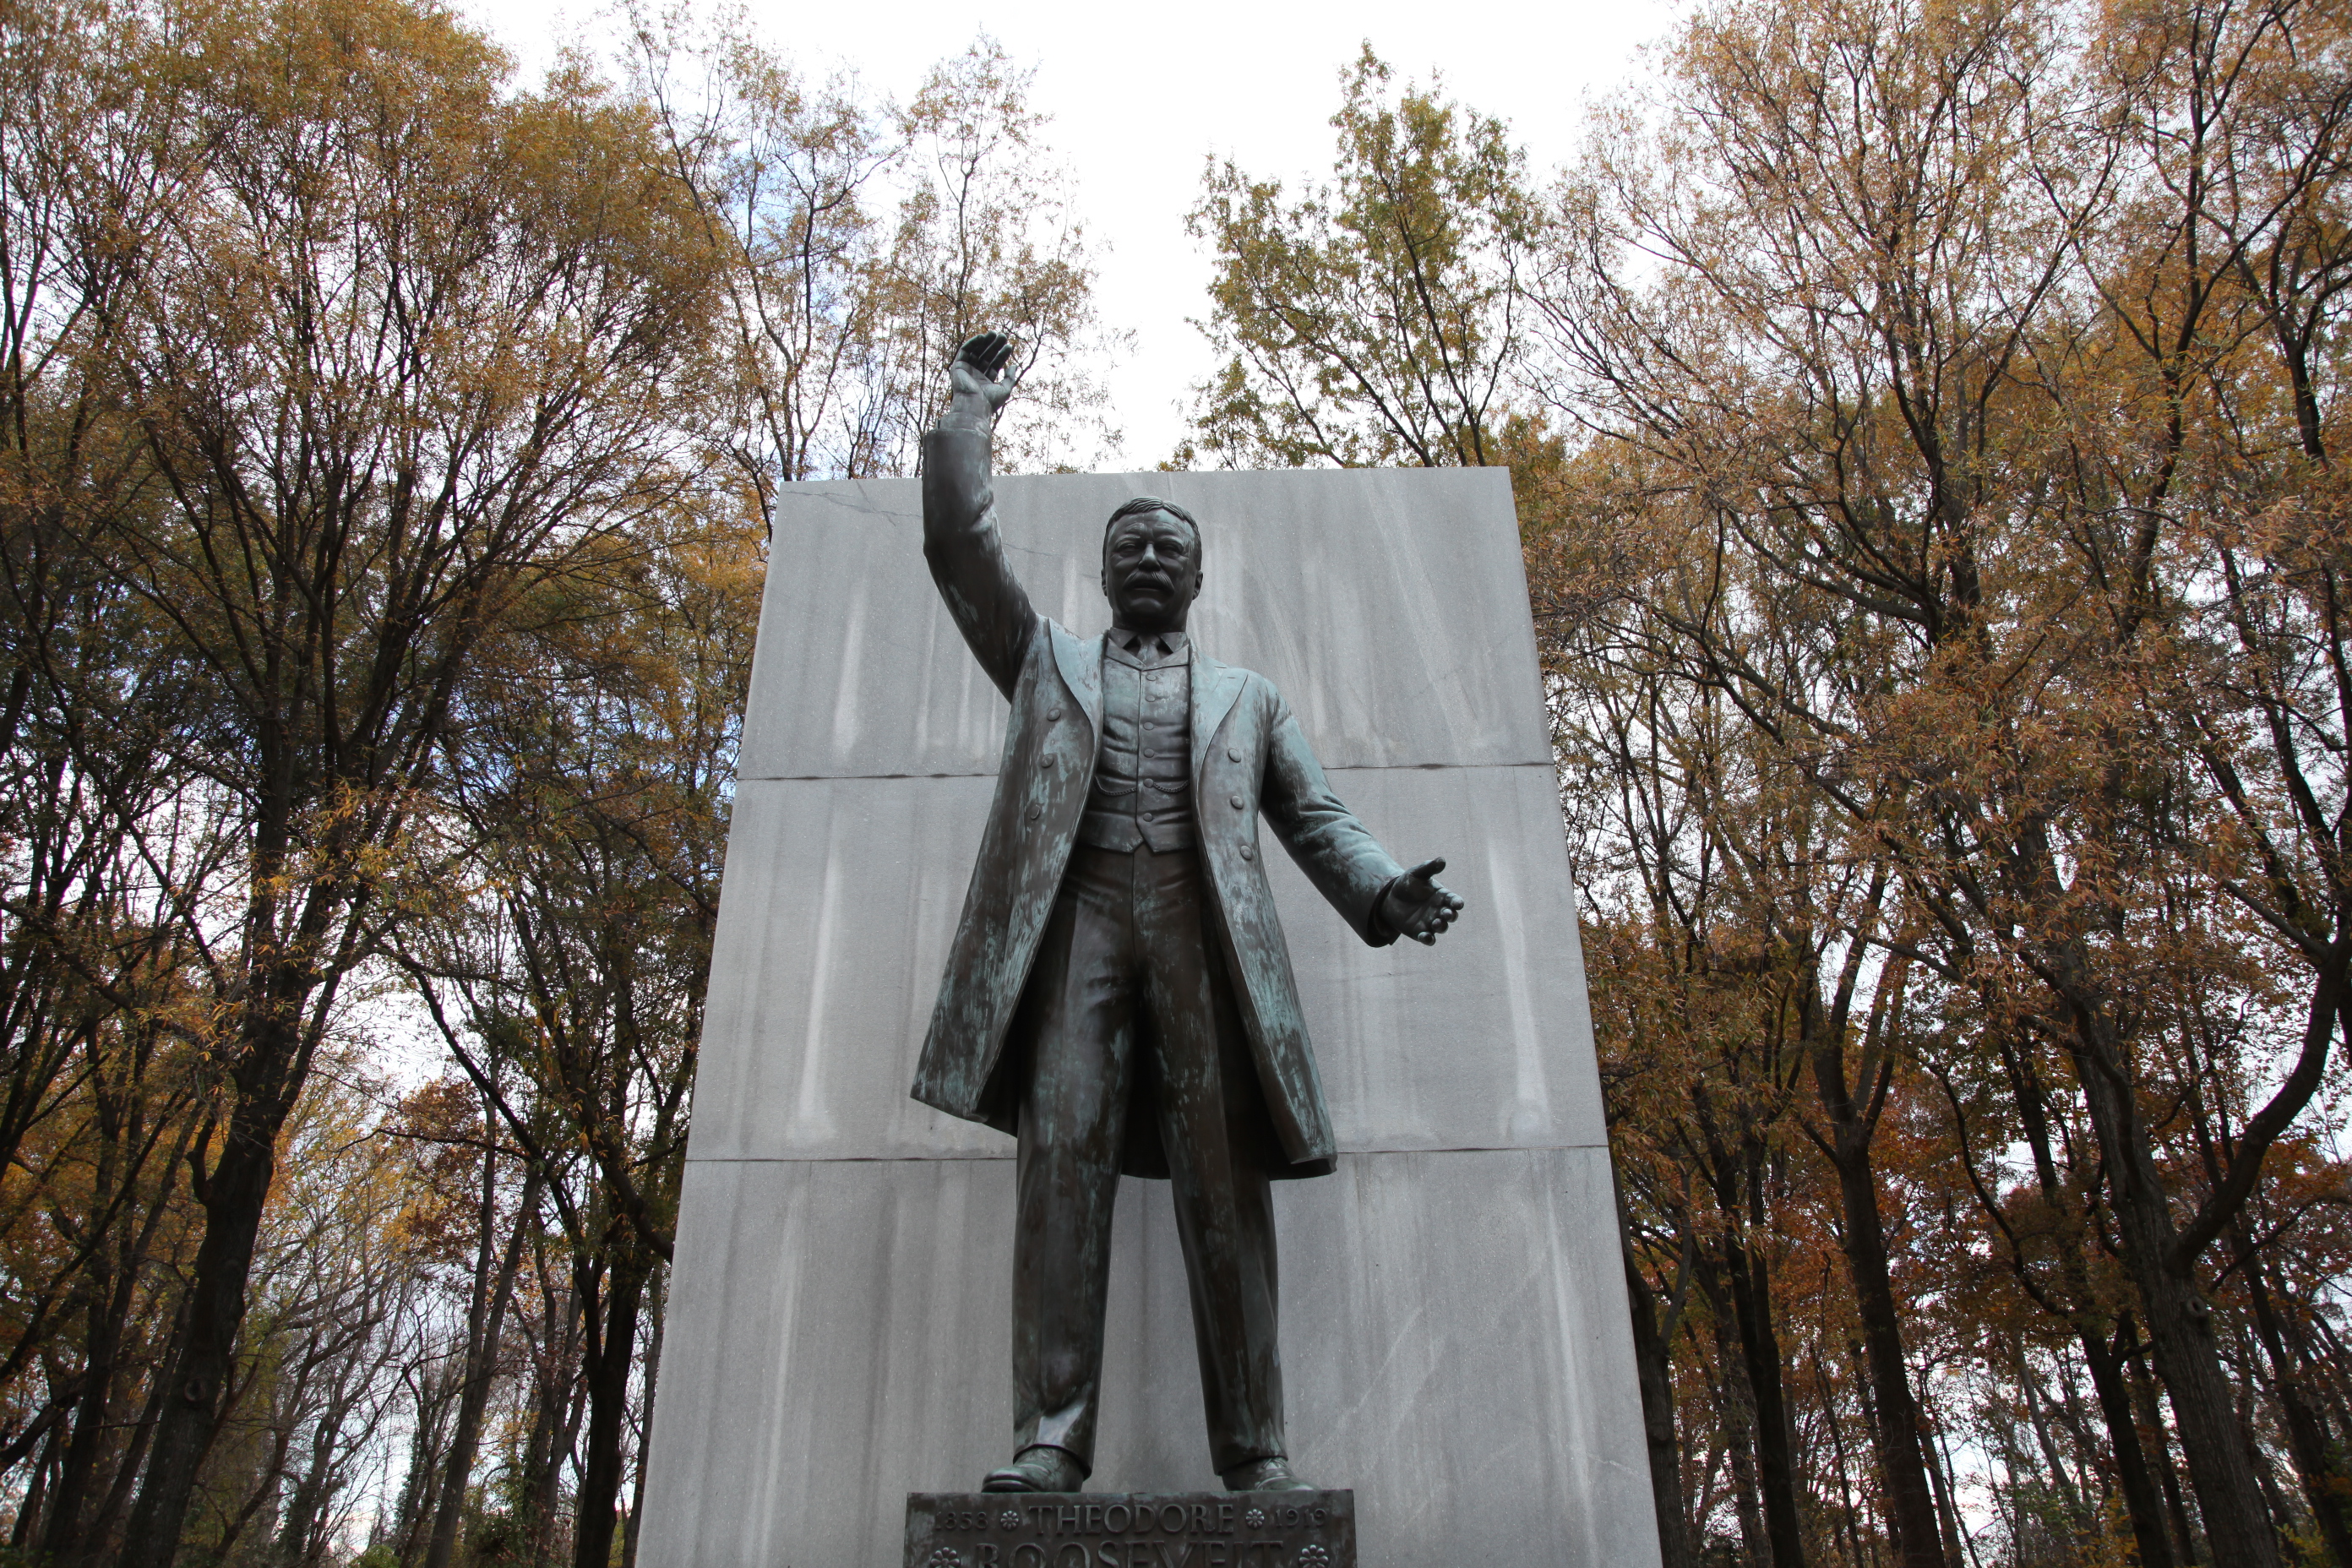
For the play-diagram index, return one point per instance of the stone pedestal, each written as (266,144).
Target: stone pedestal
(1455,1338)
(1132,1530)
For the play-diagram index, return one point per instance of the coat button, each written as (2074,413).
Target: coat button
(1237,803)
(1035,812)
(1233,752)
(1053,715)
(1248,853)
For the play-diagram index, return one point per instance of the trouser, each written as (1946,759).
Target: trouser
(1129,981)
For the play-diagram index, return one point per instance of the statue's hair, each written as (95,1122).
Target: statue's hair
(1142,504)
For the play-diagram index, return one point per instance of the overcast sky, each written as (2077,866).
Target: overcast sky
(1140,96)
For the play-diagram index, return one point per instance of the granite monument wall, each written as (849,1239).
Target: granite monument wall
(1455,1343)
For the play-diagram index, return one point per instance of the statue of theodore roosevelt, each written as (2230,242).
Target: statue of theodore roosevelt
(1118,995)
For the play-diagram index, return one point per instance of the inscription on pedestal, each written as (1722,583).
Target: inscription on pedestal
(1140,1529)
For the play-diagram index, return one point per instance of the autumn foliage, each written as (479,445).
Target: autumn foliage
(385,446)
(1923,419)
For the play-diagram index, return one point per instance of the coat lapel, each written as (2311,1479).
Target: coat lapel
(1215,689)
(1081,666)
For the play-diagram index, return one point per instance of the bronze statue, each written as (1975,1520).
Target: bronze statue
(1118,995)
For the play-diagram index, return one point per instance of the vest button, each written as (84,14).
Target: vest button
(1035,812)
(1053,715)
(1248,853)
(1233,752)
(1237,803)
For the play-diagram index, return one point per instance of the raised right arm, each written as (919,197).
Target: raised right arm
(967,556)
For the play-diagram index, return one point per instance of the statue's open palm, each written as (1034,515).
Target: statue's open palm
(977,384)
(1419,907)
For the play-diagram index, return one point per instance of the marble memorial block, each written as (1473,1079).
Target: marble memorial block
(1455,1338)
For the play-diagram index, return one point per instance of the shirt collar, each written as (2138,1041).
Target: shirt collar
(1146,650)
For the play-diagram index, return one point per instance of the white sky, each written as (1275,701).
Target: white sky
(1139,97)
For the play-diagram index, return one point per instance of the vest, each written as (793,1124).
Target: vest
(1143,790)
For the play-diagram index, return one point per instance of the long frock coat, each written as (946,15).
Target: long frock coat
(1249,757)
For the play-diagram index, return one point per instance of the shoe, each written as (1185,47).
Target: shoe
(1267,1474)
(1041,1468)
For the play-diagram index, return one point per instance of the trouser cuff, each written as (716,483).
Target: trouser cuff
(1071,1430)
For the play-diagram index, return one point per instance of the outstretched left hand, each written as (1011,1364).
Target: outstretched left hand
(1416,907)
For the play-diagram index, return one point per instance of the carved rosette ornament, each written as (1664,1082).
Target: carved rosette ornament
(944,1557)
(1311,1557)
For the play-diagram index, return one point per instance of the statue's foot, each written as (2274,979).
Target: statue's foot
(1267,1474)
(1041,1468)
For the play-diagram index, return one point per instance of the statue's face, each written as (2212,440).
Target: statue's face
(1152,570)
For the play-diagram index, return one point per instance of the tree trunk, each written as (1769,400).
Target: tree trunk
(1910,1501)
(30,1507)
(2104,1359)
(611,1346)
(118,1492)
(2037,1421)
(412,1519)
(2147,1402)
(1654,1372)
(233,1197)
(2142,1503)
(300,1532)
(553,1416)
(1947,1514)
(65,1542)
(2179,1321)
(485,1316)
(1774,1445)
(1735,1411)
(2325,1488)
(658,1311)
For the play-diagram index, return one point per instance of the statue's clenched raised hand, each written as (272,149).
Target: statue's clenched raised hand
(978,382)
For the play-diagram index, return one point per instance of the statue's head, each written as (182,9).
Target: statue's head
(1151,564)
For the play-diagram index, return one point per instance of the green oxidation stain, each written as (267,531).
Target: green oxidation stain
(1250,756)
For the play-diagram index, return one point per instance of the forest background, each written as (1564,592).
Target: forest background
(1923,419)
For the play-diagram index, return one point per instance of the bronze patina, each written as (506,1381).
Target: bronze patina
(1118,995)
